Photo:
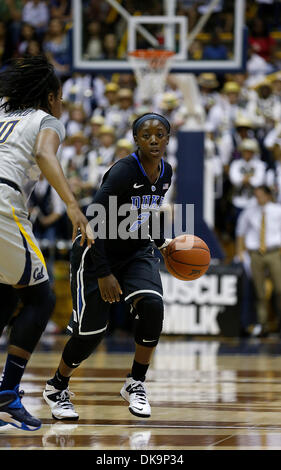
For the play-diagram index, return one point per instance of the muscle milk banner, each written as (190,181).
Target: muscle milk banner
(209,305)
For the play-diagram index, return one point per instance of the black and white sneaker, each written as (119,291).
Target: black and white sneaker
(59,402)
(134,392)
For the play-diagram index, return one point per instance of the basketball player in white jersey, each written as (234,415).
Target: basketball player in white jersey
(30,134)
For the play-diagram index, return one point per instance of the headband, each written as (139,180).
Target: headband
(150,116)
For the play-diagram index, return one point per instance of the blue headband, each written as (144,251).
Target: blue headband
(149,116)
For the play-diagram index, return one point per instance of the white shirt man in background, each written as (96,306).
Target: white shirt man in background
(258,232)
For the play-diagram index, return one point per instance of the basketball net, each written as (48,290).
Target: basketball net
(151,67)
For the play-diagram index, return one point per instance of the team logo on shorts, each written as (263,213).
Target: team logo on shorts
(38,274)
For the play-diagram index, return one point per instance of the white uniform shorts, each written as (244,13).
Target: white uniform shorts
(21,260)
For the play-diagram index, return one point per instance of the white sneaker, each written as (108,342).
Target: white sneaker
(134,392)
(58,401)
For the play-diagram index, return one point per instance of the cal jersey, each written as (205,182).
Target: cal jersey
(21,261)
(18,134)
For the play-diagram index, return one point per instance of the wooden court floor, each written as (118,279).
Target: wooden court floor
(205,393)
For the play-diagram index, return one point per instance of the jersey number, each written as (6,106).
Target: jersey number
(6,128)
(141,219)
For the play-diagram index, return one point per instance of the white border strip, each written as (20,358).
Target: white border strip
(144,291)
(80,284)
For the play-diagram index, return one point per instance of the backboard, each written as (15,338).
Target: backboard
(211,37)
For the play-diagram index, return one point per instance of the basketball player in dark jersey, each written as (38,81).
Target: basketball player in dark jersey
(120,267)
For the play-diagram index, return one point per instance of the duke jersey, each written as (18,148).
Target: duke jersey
(18,133)
(126,187)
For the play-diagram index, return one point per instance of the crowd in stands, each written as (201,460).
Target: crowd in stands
(241,112)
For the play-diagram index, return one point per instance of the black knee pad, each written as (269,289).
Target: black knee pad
(9,303)
(38,303)
(149,321)
(80,348)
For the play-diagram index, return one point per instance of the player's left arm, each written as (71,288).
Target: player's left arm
(162,242)
(114,183)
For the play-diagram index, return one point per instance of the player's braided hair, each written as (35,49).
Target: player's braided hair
(26,83)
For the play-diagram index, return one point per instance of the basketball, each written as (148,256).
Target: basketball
(187,257)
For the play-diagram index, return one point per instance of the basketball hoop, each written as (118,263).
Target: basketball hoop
(151,67)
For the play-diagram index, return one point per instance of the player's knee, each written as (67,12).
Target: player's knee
(80,348)
(9,302)
(41,298)
(150,321)
(38,305)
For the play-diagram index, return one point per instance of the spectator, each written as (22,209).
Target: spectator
(275,80)
(195,51)
(213,158)
(204,5)
(126,80)
(266,10)
(76,144)
(173,110)
(5,49)
(36,13)
(259,232)
(208,85)
(231,140)
(138,111)
(110,100)
(245,174)
(95,10)
(57,47)
(60,9)
(79,89)
(246,93)
(33,48)
(273,137)
(223,114)
(273,176)
(77,119)
(46,208)
(215,50)
(11,15)
(77,165)
(107,148)
(93,48)
(189,8)
(109,47)
(96,122)
(65,112)
(257,66)
(119,117)
(123,148)
(27,33)
(265,108)
(261,41)
(102,158)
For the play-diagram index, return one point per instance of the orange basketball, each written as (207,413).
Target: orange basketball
(187,257)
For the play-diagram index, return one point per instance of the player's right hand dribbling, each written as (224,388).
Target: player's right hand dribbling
(110,289)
